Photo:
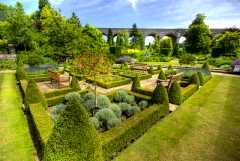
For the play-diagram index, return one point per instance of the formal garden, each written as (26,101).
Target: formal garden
(79,97)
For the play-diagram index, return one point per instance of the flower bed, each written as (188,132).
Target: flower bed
(110,81)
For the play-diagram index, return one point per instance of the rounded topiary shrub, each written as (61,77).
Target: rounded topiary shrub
(105,117)
(195,79)
(73,137)
(135,84)
(132,111)
(129,99)
(201,78)
(160,95)
(89,102)
(116,109)
(120,96)
(70,97)
(75,84)
(124,107)
(57,110)
(174,93)
(103,102)
(95,122)
(143,104)
(33,94)
(161,75)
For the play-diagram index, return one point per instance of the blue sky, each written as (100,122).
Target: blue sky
(146,13)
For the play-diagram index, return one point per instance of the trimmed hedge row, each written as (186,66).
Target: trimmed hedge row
(141,77)
(188,91)
(118,138)
(144,91)
(42,122)
(60,98)
(113,84)
(58,92)
(139,96)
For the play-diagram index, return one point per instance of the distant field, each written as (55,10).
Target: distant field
(205,128)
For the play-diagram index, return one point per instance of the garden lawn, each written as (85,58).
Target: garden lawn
(205,128)
(15,140)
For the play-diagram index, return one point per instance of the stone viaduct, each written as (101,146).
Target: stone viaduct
(174,33)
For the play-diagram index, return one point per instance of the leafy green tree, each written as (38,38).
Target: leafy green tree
(74,20)
(19,30)
(198,38)
(137,40)
(42,4)
(156,45)
(166,46)
(110,37)
(226,44)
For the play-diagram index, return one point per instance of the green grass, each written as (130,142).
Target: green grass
(15,140)
(205,128)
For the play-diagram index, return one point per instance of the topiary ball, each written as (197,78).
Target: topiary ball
(95,122)
(143,104)
(116,109)
(103,102)
(174,93)
(120,96)
(104,116)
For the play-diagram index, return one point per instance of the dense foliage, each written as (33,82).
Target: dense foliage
(160,95)
(65,144)
(174,93)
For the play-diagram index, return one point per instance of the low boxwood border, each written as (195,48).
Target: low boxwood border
(118,138)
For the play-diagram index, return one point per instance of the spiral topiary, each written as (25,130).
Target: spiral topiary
(174,93)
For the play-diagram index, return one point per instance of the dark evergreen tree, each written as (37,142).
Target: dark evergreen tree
(74,20)
(162,75)
(110,37)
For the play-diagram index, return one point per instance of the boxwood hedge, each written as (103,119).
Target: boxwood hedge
(118,138)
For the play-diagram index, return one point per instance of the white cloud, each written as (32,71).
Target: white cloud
(133,3)
(56,2)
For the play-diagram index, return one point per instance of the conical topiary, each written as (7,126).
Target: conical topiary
(75,84)
(195,79)
(135,84)
(150,70)
(161,75)
(33,94)
(160,95)
(201,78)
(20,73)
(73,137)
(206,67)
(174,93)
